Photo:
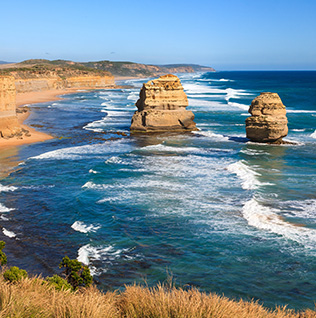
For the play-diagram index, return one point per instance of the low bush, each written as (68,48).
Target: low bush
(14,274)
(3,257)
(59,283)
(77,274)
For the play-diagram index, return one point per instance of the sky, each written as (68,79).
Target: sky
(224,34)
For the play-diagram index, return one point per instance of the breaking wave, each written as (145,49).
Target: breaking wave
(266,218)
(8,233)
(4,209)
(7,188)
(87,254)
(83,228)
(246,174)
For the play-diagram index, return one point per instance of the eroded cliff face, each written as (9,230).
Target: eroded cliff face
(268,122)
(162,107)
(9,125)
(56,82)
(90,81)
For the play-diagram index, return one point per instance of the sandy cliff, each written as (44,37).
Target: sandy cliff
(162,107)
(53,81)
(40,75)
(9,125)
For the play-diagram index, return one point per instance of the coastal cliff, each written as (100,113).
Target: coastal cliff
(145,70)
(161,107)
(38,75)
(9,125)
(55,82)
(268,122)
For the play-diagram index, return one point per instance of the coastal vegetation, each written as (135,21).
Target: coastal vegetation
(21,296)
(70,68)
(35,297)
(45,68)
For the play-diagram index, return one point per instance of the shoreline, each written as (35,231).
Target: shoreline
(24,99)
(9,147)
(29,98)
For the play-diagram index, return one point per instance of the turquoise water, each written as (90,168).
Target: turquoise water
(210,208)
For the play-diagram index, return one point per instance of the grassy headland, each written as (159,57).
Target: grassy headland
(68,68)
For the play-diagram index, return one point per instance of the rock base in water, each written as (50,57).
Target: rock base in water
(268,122)
(161,107)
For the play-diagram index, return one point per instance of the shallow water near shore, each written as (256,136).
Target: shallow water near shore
(214,210)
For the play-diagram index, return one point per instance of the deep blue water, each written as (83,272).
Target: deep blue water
(209,208)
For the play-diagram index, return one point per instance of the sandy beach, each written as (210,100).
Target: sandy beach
(8,147)
(26,99)
(34,98)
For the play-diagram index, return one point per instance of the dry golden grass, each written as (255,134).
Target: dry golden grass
(34,298)
(161,302)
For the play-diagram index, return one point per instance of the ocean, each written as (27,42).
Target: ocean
(208,209)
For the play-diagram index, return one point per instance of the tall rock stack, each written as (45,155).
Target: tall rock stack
(9,125)
(162,107)
(268,122)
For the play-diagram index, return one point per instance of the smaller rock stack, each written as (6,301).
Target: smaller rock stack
(268,122)
(161,107)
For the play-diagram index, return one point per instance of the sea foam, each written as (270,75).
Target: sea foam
(83,228)
(238,105)
(266,218)
(81,152)
(4,209)
(7,188)
(313,135)
(246,174)
(297,111)
(302,209)
(210,134)
(88,253)
(235,93)
(8,233)
(164,148)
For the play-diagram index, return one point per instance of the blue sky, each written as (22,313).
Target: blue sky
(225,34)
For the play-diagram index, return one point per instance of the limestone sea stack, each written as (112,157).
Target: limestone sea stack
(268,122)
(9,126)
(162,107)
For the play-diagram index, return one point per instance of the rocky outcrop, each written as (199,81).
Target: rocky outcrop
(9,125)
(268,122)
(162,107)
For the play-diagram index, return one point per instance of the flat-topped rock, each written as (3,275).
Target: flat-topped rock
(268,122)
(162,107)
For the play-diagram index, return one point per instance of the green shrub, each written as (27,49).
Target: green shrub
(58,282)
(14,274)
(3,257)
(77,274)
